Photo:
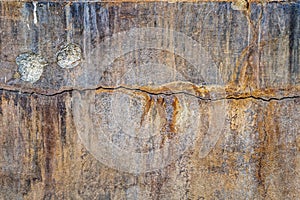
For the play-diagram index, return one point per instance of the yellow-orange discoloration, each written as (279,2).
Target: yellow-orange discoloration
(11,14)
(147,107)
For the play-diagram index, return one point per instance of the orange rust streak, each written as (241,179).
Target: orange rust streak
(149,104)
(161,107)
(176,108)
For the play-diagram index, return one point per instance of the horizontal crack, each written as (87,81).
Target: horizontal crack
(262,98)
(226,96)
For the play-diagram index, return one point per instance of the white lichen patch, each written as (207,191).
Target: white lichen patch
(239,5)
(69,56)
(30,66)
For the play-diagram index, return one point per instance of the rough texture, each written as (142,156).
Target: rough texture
(203,105)
(30,66)
(69,56)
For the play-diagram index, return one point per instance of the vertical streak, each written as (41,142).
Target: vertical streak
(258,53)
(95,30)
(228,53)
(69,25)
(34,12)
(86,38)
(292,41)
(171,35)
(249,32)
(25,27)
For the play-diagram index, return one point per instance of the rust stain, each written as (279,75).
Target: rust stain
(267,93)
(169,130)
(161,107)
(11,14)
(201,91)
(50,133)
(155,90)
(267,150)
(147,107)
(172,123)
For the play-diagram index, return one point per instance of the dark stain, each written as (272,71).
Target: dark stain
(6,96)
(1,111)
(171,107)
(50,132)
(267,150)
(36,168)
(24,102)
(27,186)
(61,106)
(106,196)
(16,99)
(76,11)
(113,16)
(293,39)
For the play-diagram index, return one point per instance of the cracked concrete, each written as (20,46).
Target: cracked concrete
(225,129)
(227,96)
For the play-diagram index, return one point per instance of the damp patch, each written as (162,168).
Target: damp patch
(30,66)
(69,56)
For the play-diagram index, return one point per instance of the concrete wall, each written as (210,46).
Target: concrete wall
(149,100)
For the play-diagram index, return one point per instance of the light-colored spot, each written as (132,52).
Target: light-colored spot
(69,56)
(35,20)
(30,66)
(239,5)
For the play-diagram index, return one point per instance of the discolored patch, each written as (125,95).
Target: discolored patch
(30,66)
(134,130)
(69,56)
(239,5)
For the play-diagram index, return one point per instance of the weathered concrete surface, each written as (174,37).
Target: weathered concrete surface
(248,60)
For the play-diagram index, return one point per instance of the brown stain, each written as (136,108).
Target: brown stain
(156,89)
(169,131)
(50,131)
(201,91)
(149,103)
(267,93)
(161,107)
(11,14)
(267,153)
(19,107)
(172,124)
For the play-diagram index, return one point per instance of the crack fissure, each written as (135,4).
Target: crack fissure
(226,97)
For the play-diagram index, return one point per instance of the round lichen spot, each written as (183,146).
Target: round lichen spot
(30,66)
(69,56)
